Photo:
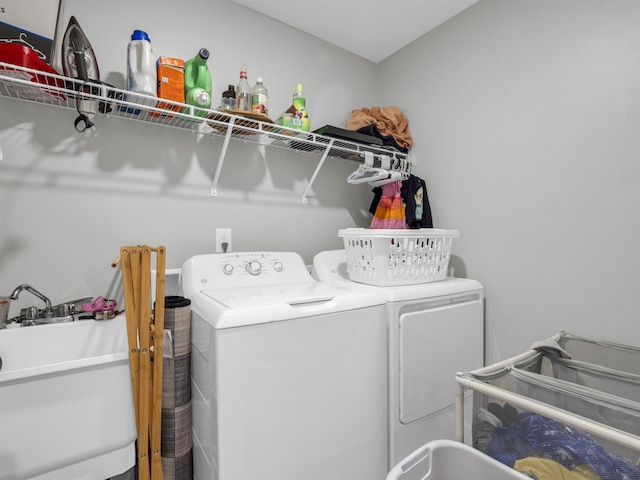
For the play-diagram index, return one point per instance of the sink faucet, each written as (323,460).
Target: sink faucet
(16,292)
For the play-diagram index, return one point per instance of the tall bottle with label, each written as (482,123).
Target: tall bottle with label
(141,65)
(301,116)
(243,91)
(197,80)
(260,98)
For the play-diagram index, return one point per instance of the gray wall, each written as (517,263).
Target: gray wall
(526,116)
(69,201)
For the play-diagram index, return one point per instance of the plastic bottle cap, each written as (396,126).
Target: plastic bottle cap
(230,93)
(201,97)
(259,80)
(140,35)
(204,53)
(299,88)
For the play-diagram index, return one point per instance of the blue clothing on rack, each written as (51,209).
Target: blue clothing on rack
(535,435)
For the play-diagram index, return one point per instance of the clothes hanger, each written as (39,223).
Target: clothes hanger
(361,175)
(403,166)
(391,176)
(395,172)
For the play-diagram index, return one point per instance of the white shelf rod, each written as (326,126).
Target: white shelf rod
(223,153)
(594,428)
(315,173)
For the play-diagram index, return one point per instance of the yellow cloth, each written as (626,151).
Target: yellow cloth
(388,121)
(547,469)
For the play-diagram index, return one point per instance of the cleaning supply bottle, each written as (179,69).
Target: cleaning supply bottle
(141,65)
(243,91)
(301,116)
(228,101)
(260,98)
(197,81)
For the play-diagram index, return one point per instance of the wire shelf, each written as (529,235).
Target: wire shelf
(93,98)
(56,90)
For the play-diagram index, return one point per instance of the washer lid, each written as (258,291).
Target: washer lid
(239,307)
(300,293)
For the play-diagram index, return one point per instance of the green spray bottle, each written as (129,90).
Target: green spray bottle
(197,81)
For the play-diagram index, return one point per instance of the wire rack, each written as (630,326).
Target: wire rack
(93,98)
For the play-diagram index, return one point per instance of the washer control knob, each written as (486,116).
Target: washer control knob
(227,269)
(278,266)
(254,267)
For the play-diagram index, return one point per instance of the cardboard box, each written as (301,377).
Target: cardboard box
(170,83)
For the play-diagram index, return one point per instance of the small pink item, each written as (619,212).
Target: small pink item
(99,304)
(110,305)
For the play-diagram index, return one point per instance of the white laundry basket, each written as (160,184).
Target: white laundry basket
(386,257)
(451,460)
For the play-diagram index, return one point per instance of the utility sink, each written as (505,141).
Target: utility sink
(66,402)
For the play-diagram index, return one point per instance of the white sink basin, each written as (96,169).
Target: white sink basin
(66,403)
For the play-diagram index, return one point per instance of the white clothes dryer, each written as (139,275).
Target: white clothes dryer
(435,330)
(288,374)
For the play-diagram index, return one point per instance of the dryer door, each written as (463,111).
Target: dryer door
(440,339)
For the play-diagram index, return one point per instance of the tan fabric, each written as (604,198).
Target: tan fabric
(546,469)
(388,121)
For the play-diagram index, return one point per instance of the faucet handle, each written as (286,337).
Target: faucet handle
(30,313)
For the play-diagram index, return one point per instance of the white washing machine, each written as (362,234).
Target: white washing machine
(289,374)
(435,330)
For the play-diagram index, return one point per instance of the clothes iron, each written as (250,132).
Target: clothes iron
(79,61)
(78,58)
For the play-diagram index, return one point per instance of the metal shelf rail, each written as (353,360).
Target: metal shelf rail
(95,98)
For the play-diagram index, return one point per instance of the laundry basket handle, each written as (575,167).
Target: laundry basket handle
(410,461)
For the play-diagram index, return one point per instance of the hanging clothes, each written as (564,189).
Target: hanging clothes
(416,202)
(389,212)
